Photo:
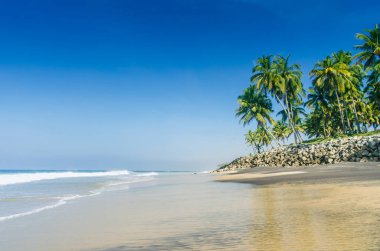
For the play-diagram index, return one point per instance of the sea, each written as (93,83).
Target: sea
(26,192)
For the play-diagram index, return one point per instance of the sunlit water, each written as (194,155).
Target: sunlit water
(192,212)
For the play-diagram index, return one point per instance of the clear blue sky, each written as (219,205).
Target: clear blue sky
(148,84)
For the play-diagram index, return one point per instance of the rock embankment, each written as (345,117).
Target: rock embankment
(354,149)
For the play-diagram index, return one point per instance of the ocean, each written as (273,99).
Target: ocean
(26,192)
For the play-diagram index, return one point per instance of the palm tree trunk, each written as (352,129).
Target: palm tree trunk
(271,134)
(324,129)
(289,118)
(258,147)
(356,116)
(340,111)
(346,113)
(299,136)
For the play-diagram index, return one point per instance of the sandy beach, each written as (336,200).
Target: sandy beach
(321,208)
(171,212)
(342,172)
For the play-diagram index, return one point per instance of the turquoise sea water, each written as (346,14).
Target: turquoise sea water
(25,192)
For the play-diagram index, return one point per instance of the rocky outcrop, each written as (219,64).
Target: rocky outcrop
(356,149)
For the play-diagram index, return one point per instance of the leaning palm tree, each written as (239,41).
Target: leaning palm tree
(370,49)
(255,105)
(295,116)
(290,77)
(280,79)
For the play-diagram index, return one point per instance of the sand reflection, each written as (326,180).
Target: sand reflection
(316,217)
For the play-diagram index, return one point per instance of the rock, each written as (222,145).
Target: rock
(349,149)
(365,153)
(364,159)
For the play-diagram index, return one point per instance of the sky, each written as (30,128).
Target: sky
(148,84)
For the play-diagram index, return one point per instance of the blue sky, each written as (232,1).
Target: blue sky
(148,84)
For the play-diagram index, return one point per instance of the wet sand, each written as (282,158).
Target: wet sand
(335,207)
(342,172)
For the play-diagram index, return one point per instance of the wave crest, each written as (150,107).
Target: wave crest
(18,178)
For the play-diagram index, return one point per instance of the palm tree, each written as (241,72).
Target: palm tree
(255,105)
(335,78)
(353,85)
(262,73)
(263,136)
(252,138)
(317,99)
(281,131)
(280,79)
(316,126)
(316,123)
(370,54)
(370,49)
(290,77)
(258,139)
(373,85)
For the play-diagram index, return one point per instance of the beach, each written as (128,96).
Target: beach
(320,208)
(170,212)
(341,172)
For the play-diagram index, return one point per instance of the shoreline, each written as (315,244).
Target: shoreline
(341,172)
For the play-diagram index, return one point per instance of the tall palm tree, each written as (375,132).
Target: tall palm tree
(255,105)
(353,85)
(370,49)
(373,85)
(334,77)
(280,79)
(289,77)
(262,73)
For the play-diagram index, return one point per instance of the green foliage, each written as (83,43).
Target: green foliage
(254,105)
(344,98)
(258,139)
(274,75)
(281,131)
(370,49)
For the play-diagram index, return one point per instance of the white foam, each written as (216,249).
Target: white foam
(146,174)
(17,178)
(60,202)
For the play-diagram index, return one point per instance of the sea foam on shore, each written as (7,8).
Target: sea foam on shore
(28,192)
